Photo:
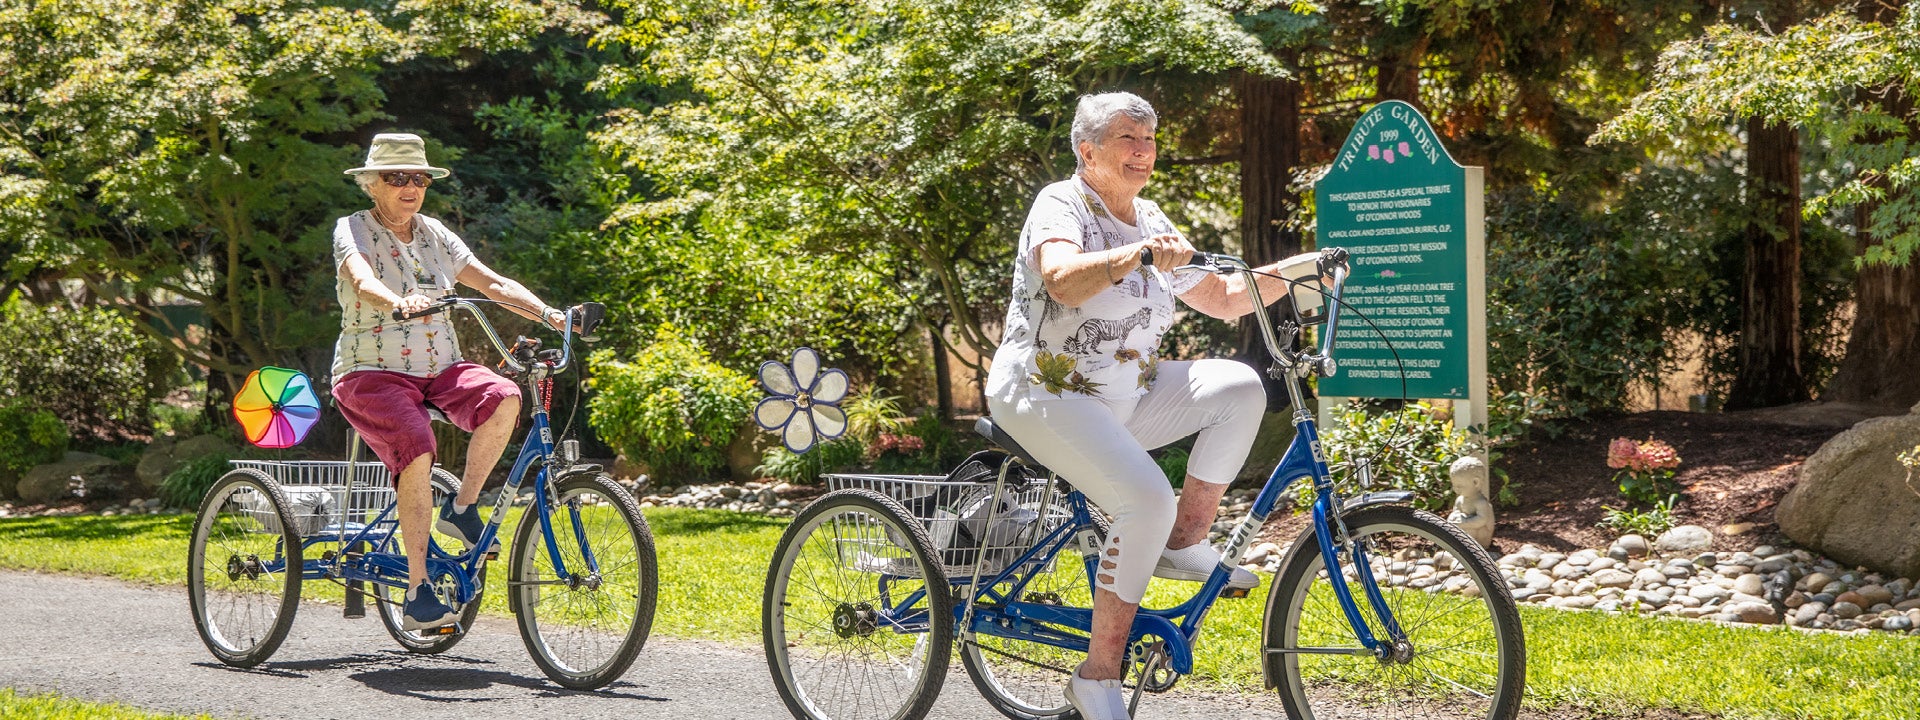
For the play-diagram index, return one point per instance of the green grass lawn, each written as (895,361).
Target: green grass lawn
(54,707)
(713,564)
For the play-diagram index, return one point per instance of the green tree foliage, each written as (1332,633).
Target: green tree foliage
(904,137)
(174,149)
(1807,75)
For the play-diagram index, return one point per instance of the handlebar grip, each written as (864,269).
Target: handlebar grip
(402,314)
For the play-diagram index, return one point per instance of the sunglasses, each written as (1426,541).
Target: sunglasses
(401,179)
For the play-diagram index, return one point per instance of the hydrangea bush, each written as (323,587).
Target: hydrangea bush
(1646,469)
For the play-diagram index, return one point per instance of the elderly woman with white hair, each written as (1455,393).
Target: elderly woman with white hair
(387,373)
(1079,382)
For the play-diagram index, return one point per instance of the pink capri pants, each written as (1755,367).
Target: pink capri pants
(390,409)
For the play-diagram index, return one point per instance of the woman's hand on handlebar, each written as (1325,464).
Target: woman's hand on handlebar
(1166,251)
(412,304)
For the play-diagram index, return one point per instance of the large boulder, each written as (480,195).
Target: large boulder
(1853,502)
(166,455)
(78,475)
(749,446)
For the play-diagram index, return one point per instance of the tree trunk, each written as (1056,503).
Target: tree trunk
(1269,151)
(1884,346)
(942,378)
(1768,371)
(1397,68)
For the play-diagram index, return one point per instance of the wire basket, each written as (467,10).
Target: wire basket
(974,528)
(319,498)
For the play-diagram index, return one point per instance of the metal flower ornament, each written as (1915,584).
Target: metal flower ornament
(803,406)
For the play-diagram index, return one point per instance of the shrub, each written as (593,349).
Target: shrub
(872,413)
(90,366)
(188,484)
(29,437)
(807,467)
(1646,469)
(1649,523)
(1173,463)
(671,407)
(1411,448)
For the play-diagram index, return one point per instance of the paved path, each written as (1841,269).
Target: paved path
(104,640)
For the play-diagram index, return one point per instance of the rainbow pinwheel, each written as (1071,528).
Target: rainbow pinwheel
(276,407)
(804,407)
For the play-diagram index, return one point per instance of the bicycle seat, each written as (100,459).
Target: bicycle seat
(434,414)
(985,427)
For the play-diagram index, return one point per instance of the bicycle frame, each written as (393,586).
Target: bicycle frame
(383,564)
(981,607)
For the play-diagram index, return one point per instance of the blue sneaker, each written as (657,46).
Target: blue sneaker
(425,611)
(465,526)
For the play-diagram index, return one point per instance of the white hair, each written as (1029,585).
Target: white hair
(366,180)
(1096,112)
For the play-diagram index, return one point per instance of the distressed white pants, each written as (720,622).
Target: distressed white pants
(1100,446)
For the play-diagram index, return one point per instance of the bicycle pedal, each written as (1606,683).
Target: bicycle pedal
(1234,593)
(493,555)
(453,629)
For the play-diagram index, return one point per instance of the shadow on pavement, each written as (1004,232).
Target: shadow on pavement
(454,685)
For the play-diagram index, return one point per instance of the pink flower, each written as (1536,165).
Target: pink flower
(1622,453)
(1373,152)
(1657,455)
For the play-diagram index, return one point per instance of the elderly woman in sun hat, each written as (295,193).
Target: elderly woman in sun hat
(1078,380)
(386,373)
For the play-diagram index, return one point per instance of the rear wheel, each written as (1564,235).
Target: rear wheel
(392,600)
(857,620)
(585,619)
(1023,678)
(1463,655)
(243,568)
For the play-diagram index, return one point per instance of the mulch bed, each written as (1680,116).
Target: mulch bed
(1734,469)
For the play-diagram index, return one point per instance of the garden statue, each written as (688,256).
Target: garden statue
(1472,511)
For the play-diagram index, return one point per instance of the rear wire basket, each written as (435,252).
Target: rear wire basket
(969,534)
(319,497)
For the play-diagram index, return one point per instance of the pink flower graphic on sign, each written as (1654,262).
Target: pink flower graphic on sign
(1405,151)
(1373,152)
(1389,273)
(1389,156)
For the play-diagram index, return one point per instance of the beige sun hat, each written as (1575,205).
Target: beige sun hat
(398,151)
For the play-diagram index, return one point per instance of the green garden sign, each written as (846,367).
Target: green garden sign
(1414,221)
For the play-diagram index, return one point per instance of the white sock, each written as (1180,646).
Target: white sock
(460,509)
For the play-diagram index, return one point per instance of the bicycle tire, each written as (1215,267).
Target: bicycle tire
(444,485)
(1023,679)
(859,525)
(235,607)
(1471,602)
(568,643)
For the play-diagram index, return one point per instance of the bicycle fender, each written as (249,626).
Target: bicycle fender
(1384,497)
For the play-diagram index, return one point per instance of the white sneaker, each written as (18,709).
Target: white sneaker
(1195,562)
(1096,699)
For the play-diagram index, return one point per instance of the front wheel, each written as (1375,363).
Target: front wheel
(857,620)
(243,568)
(1463,654)
(585,593)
